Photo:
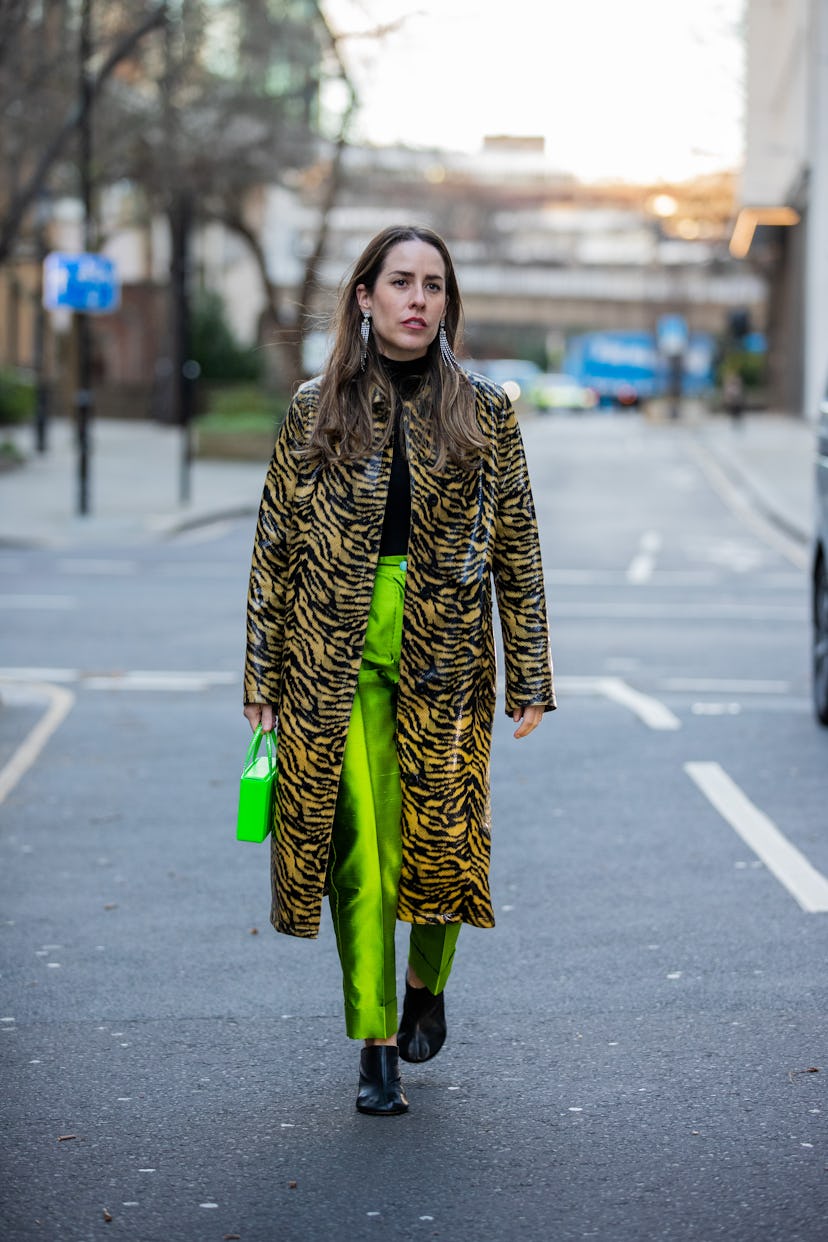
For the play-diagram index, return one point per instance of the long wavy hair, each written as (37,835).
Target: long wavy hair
(344,428)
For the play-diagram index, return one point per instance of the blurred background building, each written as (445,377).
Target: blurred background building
(782,227)
(224,184)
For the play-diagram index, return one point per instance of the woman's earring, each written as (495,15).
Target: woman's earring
(364,332)
(445,349)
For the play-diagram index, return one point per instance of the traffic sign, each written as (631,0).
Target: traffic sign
(672,334)
(81,282)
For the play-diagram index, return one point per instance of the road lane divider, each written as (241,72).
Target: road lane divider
(807,886)
(640,568)
(59,703)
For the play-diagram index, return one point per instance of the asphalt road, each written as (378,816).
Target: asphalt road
(638,1051)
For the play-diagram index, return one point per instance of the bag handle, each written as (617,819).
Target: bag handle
(253,748)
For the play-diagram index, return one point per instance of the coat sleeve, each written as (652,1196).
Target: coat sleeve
(267,592)
(518,577)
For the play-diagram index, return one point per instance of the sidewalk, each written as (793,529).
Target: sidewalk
(134,488)
(134,481)
(771,456)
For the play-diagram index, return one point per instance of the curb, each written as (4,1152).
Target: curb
(154,530)
(757,495)
(169,528)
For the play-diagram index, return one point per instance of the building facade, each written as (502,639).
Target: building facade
(782,228)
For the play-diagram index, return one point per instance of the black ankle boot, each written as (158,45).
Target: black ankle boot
(422,1030)
(380,1089)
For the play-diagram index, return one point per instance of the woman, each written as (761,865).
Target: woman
(397,491)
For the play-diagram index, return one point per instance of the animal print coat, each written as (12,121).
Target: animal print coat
(312,577)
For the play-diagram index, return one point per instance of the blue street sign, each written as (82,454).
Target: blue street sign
(672,334)
(81,282)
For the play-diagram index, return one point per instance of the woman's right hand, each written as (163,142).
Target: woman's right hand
(260,714)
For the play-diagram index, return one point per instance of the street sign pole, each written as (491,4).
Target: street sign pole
(186,369)
(83,394)
(42,396)
(87,284)
(672,342)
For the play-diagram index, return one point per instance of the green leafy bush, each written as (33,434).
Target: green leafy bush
(214,346)
(241,407)
(240,422)
(17,396)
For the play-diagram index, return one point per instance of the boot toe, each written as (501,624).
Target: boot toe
(422,1030)
(381,1091)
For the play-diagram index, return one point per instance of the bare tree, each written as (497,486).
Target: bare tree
(225,100)
(40,105)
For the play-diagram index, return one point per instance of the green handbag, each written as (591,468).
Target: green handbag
(258,780)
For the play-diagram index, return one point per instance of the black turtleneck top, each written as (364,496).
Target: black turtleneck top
(405,379)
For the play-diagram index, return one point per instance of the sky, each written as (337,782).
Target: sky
(632,89)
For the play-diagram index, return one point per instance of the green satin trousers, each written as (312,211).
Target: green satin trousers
(366,850)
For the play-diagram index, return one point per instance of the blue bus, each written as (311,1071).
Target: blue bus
(627,367)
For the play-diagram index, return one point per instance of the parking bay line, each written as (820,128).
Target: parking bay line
(807,886)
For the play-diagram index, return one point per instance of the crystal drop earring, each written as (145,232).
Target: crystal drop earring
(364,332)
(445,349)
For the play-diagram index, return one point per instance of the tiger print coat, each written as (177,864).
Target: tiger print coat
(312,577)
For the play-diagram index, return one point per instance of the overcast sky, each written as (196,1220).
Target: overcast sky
(641,89)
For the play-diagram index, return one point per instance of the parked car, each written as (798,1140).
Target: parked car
(514,375)
(555,391)
(819,577)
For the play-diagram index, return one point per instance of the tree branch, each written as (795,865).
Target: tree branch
(234,221)
(26,196)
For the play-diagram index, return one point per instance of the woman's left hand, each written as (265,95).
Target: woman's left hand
(529,717)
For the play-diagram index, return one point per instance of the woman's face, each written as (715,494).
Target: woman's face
(408,300)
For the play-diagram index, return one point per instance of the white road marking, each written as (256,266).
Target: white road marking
(617,577)
(651,711)
(725,685)
(90,565)
(59,703)
(48,603)
(641,567)
(805,884)
(159,681)
(681,612)
(118,679)
(40,674)
(199,569)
